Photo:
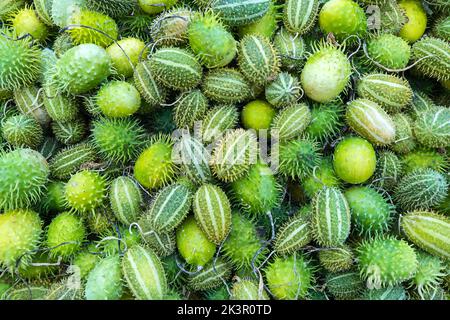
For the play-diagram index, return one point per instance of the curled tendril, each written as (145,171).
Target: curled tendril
(256,269)
(119,240)
(182,268)
(214,265)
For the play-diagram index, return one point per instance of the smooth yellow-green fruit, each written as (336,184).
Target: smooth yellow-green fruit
(417,20)
(155,6)
(257,115)
(155,168)
(131,47)
(354,160)
(193,244)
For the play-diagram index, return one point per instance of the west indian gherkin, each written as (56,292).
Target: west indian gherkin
(212,212)
(210,41)
(23,178)
(19,61)
(330,217)
(326,73)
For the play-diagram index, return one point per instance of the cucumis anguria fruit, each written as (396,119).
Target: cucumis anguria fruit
(224,149)
(428,230)
(330,217)
(212,212)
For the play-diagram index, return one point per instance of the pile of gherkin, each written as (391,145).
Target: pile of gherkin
(224,149)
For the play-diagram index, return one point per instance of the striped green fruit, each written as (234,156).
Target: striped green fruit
(60,107)
(238,12)
(391,92)
(193,158)
(176,68)
(169,207)
(233,155)
(226,86)
(330,217)
(104,282)
(22,131)
(69,160)
(218,120)
(293,235)
(192,243)
(420,102)
(386,261)
(421,189)
(432,127)
(336,259)
(432,57)
(49,147)
(70,132)
(125,199)
(388,170)
(371,213)
(344,285)
(267,25)
(29,102)
(429,231)
(291,48)
(299,16)
(211,276)
(291,122)
(283,91)
(257,192)
(144,274)
(212,212)
(191,107)
(258,60)
(151,90)
(248,290)
(370,121)
(162,243)
(404,138)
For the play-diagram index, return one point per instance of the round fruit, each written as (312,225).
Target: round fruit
(354,160)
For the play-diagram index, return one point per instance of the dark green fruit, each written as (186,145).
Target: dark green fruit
(370,212)
(421,189)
